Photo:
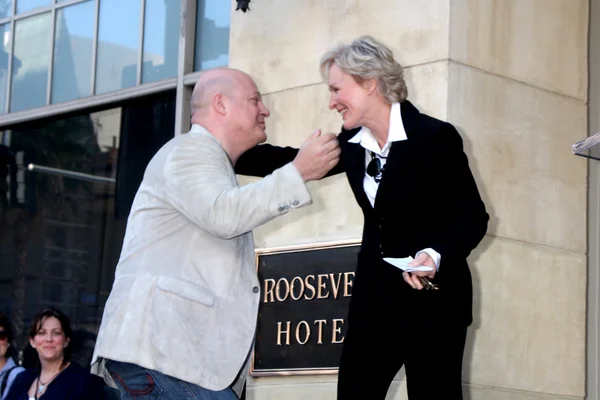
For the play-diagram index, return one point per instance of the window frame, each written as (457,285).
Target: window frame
(182,82)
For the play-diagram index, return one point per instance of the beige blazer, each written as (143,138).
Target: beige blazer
(185,297)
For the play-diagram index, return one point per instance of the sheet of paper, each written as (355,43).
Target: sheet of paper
(402,263)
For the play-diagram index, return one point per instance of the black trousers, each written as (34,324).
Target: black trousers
(375,349)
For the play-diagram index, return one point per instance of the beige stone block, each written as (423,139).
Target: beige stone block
(313,391)
(295,114)
(541,42)
(518,139)
(489,393)
(529,311)
(312,387)
(428,88)
(295,387)
(280,43)
(397,390)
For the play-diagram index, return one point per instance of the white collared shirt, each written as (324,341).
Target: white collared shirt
(365,138)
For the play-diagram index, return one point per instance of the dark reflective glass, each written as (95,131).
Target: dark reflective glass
(62,224)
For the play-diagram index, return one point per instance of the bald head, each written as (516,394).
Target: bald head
(227,103)
(211,82)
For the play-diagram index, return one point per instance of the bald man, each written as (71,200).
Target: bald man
(180,319)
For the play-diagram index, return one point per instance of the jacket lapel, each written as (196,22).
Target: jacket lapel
(354,154)
(397,168)
(398,165)
(410,118)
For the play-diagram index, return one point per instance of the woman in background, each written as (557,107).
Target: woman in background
(57,378)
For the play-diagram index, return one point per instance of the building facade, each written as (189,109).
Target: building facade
(90,89)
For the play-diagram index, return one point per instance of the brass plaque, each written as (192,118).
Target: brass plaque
(305,293)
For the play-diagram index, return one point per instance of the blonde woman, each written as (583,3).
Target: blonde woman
(411,178)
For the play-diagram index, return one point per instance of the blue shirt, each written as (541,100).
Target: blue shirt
(10,363)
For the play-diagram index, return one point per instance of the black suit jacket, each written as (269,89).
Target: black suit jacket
(427,198)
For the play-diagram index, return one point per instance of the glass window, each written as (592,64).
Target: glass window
(213,19)
(118,45)
(73,46)
(4,52)
(5,8)
(28,5)
(161,40)
(31,61)
(61,234)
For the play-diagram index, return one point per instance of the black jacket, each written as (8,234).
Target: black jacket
(74,383)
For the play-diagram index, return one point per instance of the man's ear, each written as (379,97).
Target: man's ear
(218,103)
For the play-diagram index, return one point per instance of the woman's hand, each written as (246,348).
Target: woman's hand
(412,278)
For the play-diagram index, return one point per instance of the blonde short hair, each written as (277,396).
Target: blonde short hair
(366,58)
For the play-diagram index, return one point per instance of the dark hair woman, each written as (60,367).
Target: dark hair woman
(56,378)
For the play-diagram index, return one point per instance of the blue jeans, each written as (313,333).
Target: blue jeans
(135,382)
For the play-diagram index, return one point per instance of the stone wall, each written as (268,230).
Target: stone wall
(511,75)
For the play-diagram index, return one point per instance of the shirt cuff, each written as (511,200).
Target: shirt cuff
(434,255)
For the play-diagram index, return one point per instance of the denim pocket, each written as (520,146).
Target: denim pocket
(135,381)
